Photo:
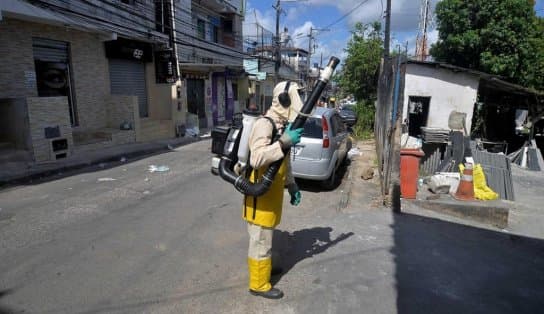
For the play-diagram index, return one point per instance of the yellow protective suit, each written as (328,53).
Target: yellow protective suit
(481,190)
(263,213)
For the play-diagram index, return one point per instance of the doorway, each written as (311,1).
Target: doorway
(418,112)
(53,73)
(195,101)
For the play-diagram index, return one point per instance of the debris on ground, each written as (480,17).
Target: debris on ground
(106,179)
(154,168)
(170,147)
(101,165)
(123,159)
(367,172)
(354,152)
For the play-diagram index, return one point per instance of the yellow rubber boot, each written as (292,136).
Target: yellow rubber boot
(259,279)
(259,274)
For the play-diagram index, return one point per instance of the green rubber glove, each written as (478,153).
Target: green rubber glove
(296,196)
(290,137)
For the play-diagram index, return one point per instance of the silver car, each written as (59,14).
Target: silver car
(322,149)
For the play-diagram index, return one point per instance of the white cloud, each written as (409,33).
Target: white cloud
(404,22)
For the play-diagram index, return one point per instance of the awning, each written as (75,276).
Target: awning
(24,11)
(21,10)
(209,67)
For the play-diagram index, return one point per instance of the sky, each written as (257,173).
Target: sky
(339,17)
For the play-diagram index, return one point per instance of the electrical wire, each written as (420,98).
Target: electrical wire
(145,32)
(347,14)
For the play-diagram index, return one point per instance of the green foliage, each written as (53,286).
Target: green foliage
(502,37)
(359,75)
(360,69)
(364,127)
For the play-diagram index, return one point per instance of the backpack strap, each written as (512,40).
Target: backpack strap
(274,130)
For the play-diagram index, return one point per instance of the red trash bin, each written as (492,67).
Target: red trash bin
(409,171)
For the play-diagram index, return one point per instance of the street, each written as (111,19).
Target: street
(119,239)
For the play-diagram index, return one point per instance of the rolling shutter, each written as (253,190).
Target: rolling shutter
(127,77)
(48,50)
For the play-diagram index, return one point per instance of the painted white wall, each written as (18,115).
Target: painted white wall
(448,90)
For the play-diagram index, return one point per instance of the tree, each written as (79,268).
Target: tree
(534,67)
(493,36)
(359,73)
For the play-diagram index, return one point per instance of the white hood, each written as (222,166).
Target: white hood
(291,112)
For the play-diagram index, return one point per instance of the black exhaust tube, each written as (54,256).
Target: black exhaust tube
(259,188)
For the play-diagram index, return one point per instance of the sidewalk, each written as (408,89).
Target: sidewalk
(18,172)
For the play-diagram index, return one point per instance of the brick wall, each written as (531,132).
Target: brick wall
(14,123)
(122,108)
(47,112)
(89,66)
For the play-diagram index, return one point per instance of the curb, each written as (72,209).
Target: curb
(152,148)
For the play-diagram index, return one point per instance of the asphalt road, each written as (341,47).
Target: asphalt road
(123,240)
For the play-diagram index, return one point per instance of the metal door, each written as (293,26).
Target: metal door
(53,74)
(195,101)
(127,77)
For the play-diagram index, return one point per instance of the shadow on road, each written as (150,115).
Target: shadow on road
(4,309)
(291,248)
(443,267)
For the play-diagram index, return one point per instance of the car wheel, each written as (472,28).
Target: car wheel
(330,182)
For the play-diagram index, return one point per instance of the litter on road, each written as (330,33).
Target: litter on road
(354,152)
(106,179)
(154,168)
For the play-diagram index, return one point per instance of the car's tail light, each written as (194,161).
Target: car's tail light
(325,127)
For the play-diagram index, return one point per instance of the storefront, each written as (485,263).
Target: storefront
(127,69)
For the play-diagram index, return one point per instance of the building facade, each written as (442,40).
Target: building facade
(208,44)
(81,76)
(84,75)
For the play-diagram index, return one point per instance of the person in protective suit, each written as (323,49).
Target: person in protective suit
(263,213)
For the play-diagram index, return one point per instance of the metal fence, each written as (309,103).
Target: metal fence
(387,125)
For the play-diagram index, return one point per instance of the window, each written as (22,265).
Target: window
(201,29)
(215,38)
(312,128)
(227,26)
(131,2)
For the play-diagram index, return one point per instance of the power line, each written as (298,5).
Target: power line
(144,32)
(347,14)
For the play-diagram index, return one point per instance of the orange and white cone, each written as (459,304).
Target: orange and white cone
(465,191)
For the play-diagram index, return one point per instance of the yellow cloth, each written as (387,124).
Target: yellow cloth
(259,274)
(481,190)
(266,210)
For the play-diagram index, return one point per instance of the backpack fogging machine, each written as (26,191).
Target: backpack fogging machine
(230,144)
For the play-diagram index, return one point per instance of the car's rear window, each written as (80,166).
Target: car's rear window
(312,128)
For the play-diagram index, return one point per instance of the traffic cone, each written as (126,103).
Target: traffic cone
(465,191)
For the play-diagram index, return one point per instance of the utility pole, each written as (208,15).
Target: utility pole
(421,41)
(277,43)
(308,61)
(387,38)
(277,40)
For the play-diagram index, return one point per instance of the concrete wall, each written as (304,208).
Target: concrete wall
(89,67)
(47,112)
(448,90)
(161,97)
(188,34)
(14,123)
(122,108)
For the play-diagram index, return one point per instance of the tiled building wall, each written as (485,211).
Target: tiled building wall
(88,61)
(47,112)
